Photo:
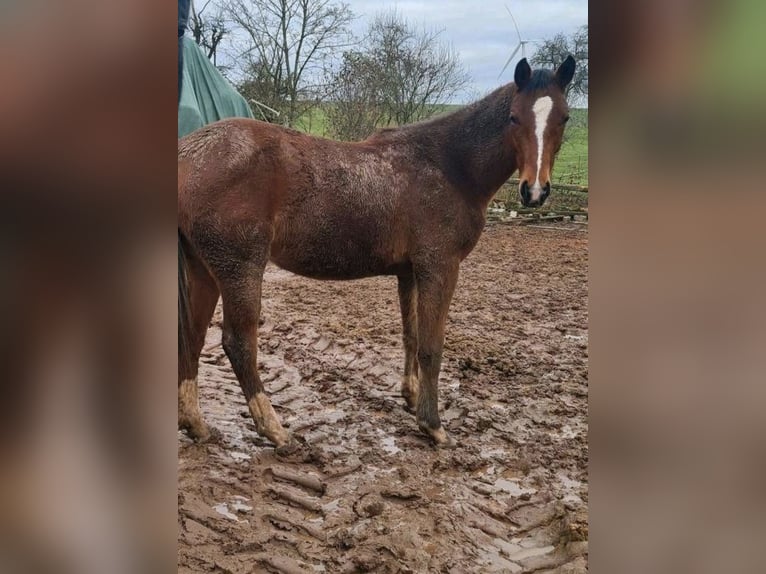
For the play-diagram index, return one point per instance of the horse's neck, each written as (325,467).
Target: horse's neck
(475,155)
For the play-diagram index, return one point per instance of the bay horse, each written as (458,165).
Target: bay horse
(408,201)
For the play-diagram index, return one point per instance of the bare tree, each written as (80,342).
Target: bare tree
(419,70)
(288,43)
(552,52)
(357,106)
(208,27)
(399,74)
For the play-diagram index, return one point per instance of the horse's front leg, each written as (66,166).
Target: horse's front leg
(435,282)
(408,302)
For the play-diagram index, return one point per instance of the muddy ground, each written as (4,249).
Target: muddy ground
(376,497)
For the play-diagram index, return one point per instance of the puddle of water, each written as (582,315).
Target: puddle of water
(239,455)
(375,471)
(512,474)
(483,473)
(215,474)
(223,510)
(388,444)
(507,547)
(572,498)
(571,487)
(333,416)
(512,487)
(453,386)
(494,562)
(529,552)
(567,432)
(568,483)
(239,504)
(575,337)
(493,453)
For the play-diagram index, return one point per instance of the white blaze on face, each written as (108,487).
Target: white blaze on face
(542,109)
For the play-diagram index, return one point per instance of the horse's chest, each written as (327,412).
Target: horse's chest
(457,231)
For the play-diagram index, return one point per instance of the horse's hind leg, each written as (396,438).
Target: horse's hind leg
(241,309)
(408,302)
(435,285)
(203,295)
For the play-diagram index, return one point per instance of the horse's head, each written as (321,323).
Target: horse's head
(538,114)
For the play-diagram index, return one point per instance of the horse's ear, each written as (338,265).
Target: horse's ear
(565,72)
(522,74)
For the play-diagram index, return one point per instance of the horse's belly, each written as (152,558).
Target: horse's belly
(324,255)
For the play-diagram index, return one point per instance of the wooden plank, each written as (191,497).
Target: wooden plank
(564,186)
(549,228)
(538,213)
(544,218)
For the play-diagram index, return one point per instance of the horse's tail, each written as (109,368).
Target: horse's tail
(184,311)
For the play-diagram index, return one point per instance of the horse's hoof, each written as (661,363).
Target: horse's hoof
(200,433)
(288,448)
(284,442)
(441,438)
(213,436)
(447,442)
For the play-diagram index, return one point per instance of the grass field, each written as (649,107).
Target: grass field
(314,122)
(572,162)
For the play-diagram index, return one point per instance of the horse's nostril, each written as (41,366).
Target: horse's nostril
(524,191)
(546,192)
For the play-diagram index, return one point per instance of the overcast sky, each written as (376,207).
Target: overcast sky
(481,30)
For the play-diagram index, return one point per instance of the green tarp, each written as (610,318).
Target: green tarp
(206,96)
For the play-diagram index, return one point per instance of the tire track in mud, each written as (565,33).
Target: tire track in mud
(364,492)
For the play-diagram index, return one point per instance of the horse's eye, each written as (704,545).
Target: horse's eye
(515,120)
(565,120)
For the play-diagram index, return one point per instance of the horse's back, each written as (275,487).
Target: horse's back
(334,209)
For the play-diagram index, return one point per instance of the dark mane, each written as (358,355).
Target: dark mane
(490,110)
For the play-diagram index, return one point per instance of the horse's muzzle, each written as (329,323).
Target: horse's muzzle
(531,197)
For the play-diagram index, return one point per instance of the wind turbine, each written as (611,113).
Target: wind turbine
(521,46)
